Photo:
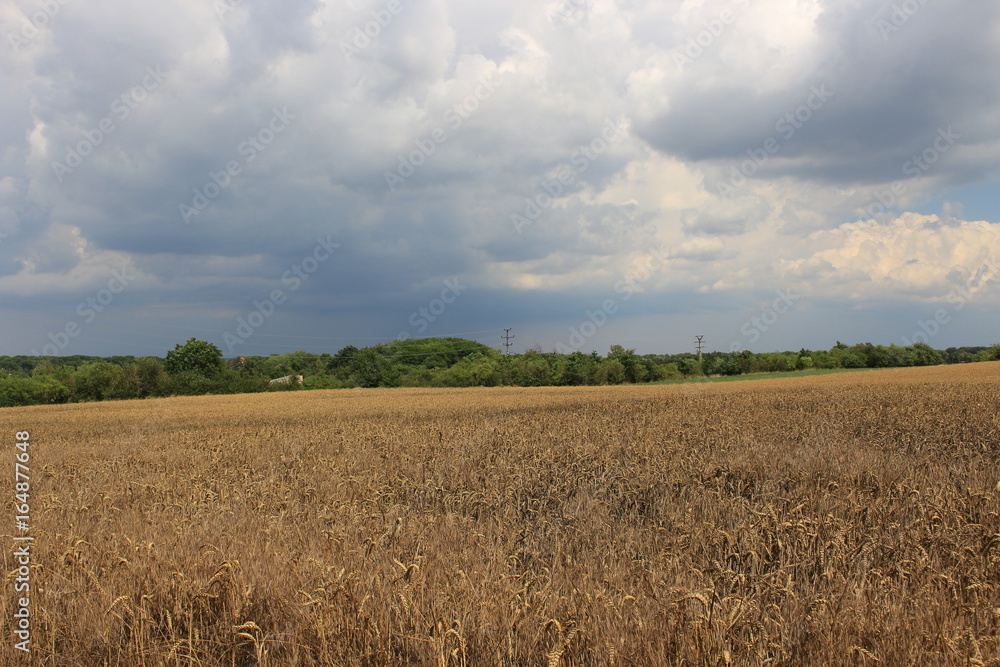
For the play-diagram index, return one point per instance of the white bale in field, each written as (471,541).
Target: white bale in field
(288,379)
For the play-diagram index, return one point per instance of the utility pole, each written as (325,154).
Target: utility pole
(698,344)
(506,340)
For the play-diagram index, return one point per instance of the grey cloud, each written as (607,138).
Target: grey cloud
(889,97)
(354,118)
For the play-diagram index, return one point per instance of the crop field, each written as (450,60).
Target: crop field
(847,519)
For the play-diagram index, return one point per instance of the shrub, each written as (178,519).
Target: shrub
(610,372)
(14,391)
(97,381)
(195,356)
(47,390)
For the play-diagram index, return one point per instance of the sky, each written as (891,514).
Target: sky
(305,175)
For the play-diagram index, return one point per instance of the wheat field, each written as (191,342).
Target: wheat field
(847,519)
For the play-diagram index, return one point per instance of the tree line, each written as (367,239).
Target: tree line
(198,367)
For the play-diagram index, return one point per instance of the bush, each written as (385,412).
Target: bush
(369,368)
(476,370)
(418,377)
(610,372)
(226,382)
(852,359)
(47,390)
(690,367)
(38,390)
(573,370)
(991,354)
(530,369)
(14,391)
(324,382)
(97,382)
(150,377)
(195,356)
(922,354)
(729,366)
(669,371)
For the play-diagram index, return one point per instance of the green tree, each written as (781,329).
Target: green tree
(649,370)
(370,369)
(340,364)
(97,381)
(276,366)
(991,354)
(195,356)
(475,370)
(849,357)
(689,367)
(432,352)
(530,369)
(823,359)
(611,371)
(628,360)
(46,367)
(669,371)
(48,389)
(150,377)
(957,355)
(576,368)
(923,354)
(729,365)
(14,391)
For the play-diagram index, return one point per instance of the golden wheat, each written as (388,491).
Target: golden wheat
(846,519)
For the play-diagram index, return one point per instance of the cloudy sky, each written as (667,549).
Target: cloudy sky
(274,176)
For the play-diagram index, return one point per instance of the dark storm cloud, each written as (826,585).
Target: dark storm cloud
(208,148)
(894,77)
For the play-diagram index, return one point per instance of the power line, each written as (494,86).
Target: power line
(263,335)
(206,330)
(316,355)
(312,355)
(506,340)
